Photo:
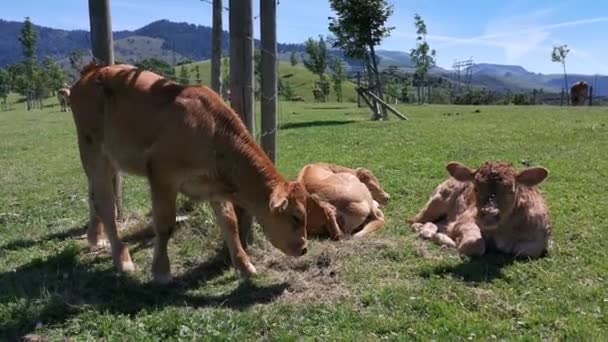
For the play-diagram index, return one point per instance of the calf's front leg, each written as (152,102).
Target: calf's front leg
(164,196)
(227,220)
(469,240)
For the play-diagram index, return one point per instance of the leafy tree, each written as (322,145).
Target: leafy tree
(287,90)
(76,59)
(337,77)
(158,66)
(257,72)
(225,77)
(5,86)
(358,27)
(197,74)
(184,75)
(318,56)
(28,40)
(422,56)
(559,55)
(293,59)
(56,77)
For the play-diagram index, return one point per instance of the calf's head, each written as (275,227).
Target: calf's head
(285,226)
(373,184)
(496,187)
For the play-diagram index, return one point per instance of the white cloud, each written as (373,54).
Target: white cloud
(517,36)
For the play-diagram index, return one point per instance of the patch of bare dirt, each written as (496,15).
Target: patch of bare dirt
(318,275)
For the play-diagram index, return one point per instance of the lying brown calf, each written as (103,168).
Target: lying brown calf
(182,139)
(339,203)
(364,175)
(494,205)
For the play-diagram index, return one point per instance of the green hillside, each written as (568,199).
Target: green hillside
(299,78)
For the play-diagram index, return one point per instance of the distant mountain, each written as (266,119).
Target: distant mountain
(175,42)
(186,40)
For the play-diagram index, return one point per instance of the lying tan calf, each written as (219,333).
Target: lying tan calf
(182,139)
(341,204)
(364,175)
(494,205)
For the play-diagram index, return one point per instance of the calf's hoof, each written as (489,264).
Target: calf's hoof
(427,230)
(247,270)
(444,240)
(122,260)
(162,278)
(472,247)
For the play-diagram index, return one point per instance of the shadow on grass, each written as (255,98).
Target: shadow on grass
(53,290)
(474,270)
(306,124)
(28,243)
(480,269)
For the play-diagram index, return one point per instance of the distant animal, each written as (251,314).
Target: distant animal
(318,94)
(347,204)
(183,140)
(298,98)
(63,96)
(494,206)
(579,92)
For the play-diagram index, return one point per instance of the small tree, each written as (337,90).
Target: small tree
(293,59)
(158,66)
(4,88)
(359,26)
(184,75)
(76,59)
(28,39)
(422,56)
(225,77)
(317,57)
(287,90)
(337,77)
(559,55)
(55,76)
(197,74)
(257,72)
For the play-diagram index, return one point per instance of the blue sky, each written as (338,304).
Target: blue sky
(506,32)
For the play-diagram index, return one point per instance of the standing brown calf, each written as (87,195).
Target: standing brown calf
(182,139)
(494,205)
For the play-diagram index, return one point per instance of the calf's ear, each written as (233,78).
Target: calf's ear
(278,199)
(532,176)
(461,172)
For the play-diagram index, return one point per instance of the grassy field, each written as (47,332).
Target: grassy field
(300,79)
(392,286)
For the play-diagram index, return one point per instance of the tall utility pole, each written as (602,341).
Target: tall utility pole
(103,50)
(268,23)
(241,84)
(216,50)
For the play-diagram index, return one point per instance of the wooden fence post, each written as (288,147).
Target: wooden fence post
(216,48)
(241,85)
(103,50)
(268,30)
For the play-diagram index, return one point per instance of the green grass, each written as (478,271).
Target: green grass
(301,80)
(392,286)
